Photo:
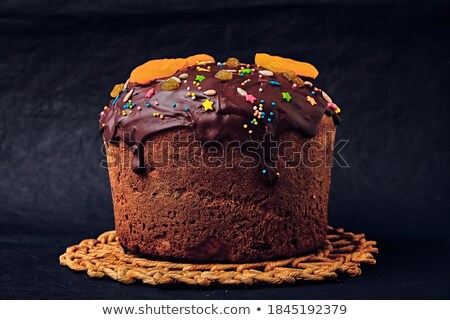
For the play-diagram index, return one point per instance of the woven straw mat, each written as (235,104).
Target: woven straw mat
(341,253)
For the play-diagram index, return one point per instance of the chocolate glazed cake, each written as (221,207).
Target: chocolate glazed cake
(220,161)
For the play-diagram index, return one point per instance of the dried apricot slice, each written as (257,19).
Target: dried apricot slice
(280,64)
(155,69)
(192,60)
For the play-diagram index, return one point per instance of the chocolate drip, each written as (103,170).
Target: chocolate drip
(230,112)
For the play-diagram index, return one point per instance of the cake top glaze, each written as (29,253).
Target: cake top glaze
(251,103)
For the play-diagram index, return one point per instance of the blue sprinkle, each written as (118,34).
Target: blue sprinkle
(269,119)
(147,105)
(251,122)
(133,104)
(271,113)
(264,171)
(263,117)
(186,109)
(262,101)
(273,103)
(274,83)
(174,105)
(117,98)
(242,74)
(263,113)
(313,92)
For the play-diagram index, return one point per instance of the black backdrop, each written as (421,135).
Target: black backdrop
(386,64)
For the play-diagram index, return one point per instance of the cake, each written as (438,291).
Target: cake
(220,162)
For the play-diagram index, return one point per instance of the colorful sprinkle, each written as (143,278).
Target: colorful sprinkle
(274,83)
(174,105)
(150,93)
(199,78)
(186,109)
(208,105)
(264,171)
(273,103)
(147,105)
(311,100)
(250,98)
(313,92)
(286,96)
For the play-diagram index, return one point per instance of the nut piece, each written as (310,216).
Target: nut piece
(326,97)
(210,92)
(266,73)
(241,91)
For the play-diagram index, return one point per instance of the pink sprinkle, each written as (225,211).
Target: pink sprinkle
(156,103)
(139,108)
(294,85)
(102,113)
(260,75)
(199,88)
(332,106)
(150,93)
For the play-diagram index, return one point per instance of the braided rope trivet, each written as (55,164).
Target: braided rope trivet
(342,252)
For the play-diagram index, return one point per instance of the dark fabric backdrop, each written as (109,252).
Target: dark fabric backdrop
(386,64)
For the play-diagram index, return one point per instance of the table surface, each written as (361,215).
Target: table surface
(406,269)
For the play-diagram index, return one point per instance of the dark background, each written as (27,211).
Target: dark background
(385,63)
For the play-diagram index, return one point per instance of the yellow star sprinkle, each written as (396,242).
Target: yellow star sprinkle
(207,105)
(311,100)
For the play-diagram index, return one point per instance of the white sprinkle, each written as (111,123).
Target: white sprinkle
(260,90)
(326,97)
(185,81)
(266,73)
(183,76)
(126,84)
(188,88)
(176,79)
(241,91)
(128,96)
(210,92)
(309,84)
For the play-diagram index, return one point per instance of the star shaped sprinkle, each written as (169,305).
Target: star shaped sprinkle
(286,96)
(249,97)
(311,100)
(199,78)
(207,105)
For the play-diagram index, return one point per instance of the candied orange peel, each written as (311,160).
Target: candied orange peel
(196,58)
(280,64)
(155,69)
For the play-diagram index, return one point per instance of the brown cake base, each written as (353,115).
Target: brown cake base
(178,210)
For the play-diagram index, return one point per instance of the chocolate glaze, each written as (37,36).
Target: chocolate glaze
(231,112)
